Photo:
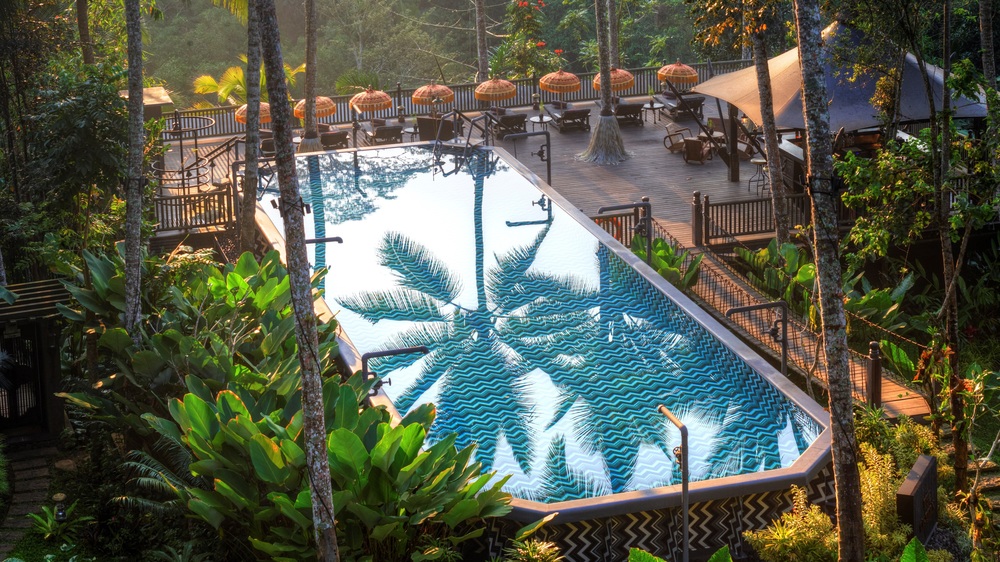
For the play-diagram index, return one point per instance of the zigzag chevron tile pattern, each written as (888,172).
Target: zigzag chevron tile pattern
(712,525)
(547,351)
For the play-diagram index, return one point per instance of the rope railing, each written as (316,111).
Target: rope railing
(861,331)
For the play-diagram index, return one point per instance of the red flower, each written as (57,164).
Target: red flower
(540,44)
(558,51)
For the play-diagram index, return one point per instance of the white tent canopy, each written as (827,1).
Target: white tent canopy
(850,94)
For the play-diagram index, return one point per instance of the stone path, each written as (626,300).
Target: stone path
(30,481)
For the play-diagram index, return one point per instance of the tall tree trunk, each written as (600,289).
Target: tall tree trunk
(248,211)
(851,540)
(310,140)
(3,270)
(482,54)
(775,177)
(314,425)
(949,274)
(135,183)
(613,27)
(83,28)
(986,42)
(606,144)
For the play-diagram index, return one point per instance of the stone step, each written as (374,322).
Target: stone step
(32,497)
(14,522)
(29,463)
(31,474)
(32,453)
(989,483)
(32,485)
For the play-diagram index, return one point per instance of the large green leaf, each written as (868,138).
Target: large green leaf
(201,416)
(288,509)
(115,339)
(914,552)
(636,555)
(460,512)
(267,460)
(206,512)
(348,456)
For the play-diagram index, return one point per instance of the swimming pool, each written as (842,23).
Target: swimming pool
(551,347)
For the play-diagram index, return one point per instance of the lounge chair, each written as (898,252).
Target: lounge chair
(385,134)
(674,140)
(435,129)
(509,123)
(267,149)
(696,150)
(332,140)
(566,118)
(629,114)
(685,106)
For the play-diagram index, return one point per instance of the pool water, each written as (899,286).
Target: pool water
(547,350)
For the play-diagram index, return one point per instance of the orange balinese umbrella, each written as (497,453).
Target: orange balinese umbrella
(324,107)
(560,82)
(679,74)
(265,113)
(621,79)
(495,89)
(432,94)
(371,100)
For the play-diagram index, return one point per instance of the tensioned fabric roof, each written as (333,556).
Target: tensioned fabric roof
(850,94)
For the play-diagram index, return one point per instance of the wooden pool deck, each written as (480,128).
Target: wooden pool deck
(669,183)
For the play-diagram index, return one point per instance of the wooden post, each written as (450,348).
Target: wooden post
(696,226)
(731,140)
(874,375)
(705,238)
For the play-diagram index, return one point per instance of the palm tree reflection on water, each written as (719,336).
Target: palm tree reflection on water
(611,353)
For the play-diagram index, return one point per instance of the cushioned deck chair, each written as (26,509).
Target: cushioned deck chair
(567,118)
(629,114)
(432,128)
(683,107)
(333,140)
(385,134)
(509,123)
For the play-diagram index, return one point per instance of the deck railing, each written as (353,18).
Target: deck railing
(196,210)
(712,222)
(645,80)
(722,288)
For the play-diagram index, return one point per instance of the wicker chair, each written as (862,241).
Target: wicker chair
(696,150)
(674,140)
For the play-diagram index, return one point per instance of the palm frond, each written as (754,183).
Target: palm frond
(416,268)
(401,304)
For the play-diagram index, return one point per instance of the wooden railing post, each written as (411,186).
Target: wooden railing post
(696,232)
(706,236)
(874,375)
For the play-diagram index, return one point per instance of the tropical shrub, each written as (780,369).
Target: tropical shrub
(784,272)
(670,262)
(804,533)
(54,527)
(391,492)
(216,379)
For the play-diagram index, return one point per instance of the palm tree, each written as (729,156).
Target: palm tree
(310,138)
(816,114)
(248,212)
(606,144)
(134,181)
(306,337)
(83,28)
(231,87)
(482,52)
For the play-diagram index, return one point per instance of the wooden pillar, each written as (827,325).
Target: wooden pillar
(696,227)
(731,140)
